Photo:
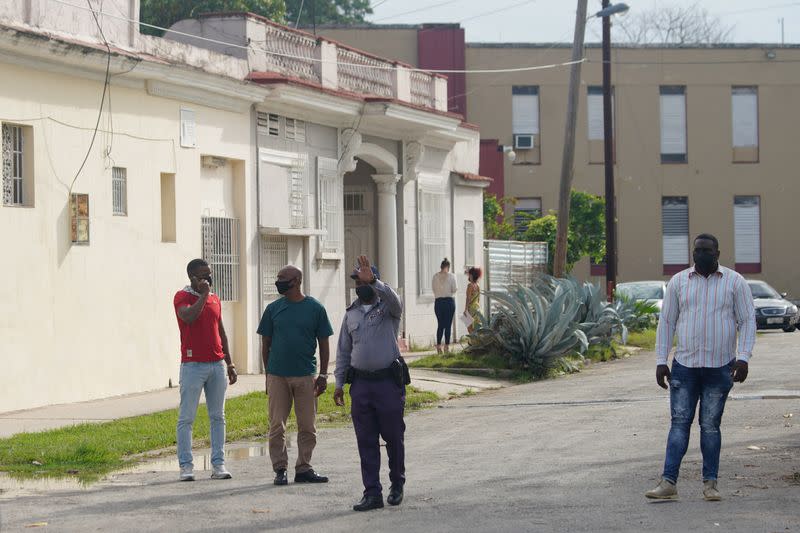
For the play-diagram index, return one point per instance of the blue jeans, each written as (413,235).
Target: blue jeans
(194,378)
(688,385)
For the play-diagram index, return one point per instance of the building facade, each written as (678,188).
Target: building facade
(702,141)
(251,160)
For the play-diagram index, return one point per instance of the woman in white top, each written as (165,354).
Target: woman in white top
(444,287)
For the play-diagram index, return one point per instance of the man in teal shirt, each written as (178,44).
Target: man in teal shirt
(290,329)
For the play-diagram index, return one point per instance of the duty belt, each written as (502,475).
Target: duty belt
(372,374)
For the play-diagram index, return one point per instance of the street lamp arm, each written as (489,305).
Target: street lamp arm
(615,9)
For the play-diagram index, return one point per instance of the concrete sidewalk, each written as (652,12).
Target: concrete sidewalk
(56,416)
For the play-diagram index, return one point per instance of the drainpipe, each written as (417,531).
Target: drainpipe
(254,124)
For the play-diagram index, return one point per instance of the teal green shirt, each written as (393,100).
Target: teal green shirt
(294,328)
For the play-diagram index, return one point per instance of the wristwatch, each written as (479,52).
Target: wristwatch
(325,375)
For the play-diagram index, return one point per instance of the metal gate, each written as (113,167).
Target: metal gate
(510,262)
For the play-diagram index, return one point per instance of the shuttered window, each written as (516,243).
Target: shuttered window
(744,115)
(673,124)
(298,192)
(525,110)
(594,109)
(525,210)
(331,212)
(469,243)
(432,212)
(747,233)
(675,233)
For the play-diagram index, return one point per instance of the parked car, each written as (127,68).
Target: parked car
(650,291)
(773,310)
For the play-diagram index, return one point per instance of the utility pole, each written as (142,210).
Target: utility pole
(608,137)
(568,159)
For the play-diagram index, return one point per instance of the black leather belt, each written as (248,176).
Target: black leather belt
(372,374)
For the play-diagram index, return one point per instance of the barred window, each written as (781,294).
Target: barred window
(119,190)
(221,251)
(13,160)
(432,211)
(298,192)
(274,256)
(331,196)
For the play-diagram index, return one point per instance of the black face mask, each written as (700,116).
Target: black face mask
(283,286)
(705,261)
(365,293)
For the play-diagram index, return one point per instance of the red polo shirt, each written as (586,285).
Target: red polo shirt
(200,340)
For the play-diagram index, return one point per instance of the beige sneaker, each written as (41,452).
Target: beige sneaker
(710,492)
(665,490)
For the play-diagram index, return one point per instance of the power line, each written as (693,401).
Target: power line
(102,99)
(495,11)
(756,9)
(316,60)
(427,8)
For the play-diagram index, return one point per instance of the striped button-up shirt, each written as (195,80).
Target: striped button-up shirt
(706,314)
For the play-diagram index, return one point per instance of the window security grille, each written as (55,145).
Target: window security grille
(354,202)
(119,190)
(330,205)
(274,256)
(13,152)
(432,210)
(221,250)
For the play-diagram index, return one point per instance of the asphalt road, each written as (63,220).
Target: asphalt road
(572,454)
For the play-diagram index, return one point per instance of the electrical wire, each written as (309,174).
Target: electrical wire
(316,60)
(102,101)
(440,4)
(495,11)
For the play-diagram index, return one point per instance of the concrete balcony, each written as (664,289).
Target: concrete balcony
(270,47)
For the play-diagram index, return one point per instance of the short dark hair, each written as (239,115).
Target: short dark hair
(193,264)
(708,237)
(445,263)
(475,273)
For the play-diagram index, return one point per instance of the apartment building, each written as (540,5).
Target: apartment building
(703,139)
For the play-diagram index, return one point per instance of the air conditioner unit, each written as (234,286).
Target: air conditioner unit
(523,141)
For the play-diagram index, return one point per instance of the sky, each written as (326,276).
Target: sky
(554,20)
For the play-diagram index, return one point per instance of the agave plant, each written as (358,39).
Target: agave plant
(637,315)
(596,318)
(534,325)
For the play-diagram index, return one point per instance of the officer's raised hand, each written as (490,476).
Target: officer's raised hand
(365,273)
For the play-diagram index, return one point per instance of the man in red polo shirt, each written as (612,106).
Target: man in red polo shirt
(203,347)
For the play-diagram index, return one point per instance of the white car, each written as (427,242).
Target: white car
(649,291)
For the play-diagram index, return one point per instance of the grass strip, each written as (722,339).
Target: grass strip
(643,339)
(89,451)
(461,360)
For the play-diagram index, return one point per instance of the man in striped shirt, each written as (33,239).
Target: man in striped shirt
(706,306)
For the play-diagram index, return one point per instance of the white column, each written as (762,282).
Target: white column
(387,227)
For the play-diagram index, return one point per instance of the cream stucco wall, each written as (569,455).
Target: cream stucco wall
(90,321)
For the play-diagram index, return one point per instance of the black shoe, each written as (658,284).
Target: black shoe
(395,495)
(309,476)
(280,478)
(369,503)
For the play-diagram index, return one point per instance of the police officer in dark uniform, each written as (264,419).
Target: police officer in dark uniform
(368,357)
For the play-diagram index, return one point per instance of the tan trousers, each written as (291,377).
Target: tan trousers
(283,391)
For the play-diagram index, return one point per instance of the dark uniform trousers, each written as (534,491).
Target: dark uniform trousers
(377,410)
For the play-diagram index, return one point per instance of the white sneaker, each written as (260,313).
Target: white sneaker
(219,472)
(187,473)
